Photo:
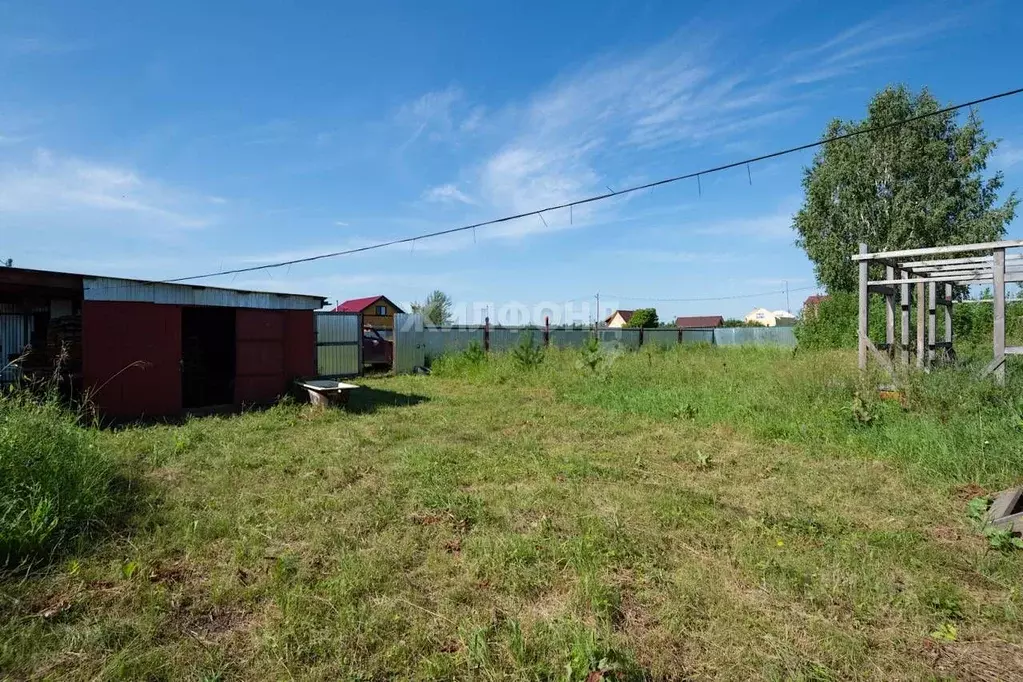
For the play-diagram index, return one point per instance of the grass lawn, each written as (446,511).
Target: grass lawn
(692,514)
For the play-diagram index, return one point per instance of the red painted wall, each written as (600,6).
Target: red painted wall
(299,344)
(273,347)
(116,334)
(259,363)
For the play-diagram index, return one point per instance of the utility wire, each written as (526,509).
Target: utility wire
(601,197)
(711,298)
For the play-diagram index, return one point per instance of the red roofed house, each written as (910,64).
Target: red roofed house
(699,321)
(811,303)
(619,319)
(377,311)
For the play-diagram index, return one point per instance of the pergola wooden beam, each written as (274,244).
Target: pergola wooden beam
(934,277)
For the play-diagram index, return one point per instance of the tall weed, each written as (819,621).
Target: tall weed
(55,482)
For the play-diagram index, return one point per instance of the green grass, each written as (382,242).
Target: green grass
(692,514)
(56,485)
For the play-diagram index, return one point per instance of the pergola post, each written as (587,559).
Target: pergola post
(889,313)
(920,311)
(948,315)
(998,275)
(936,270)
(932,318)
(904,304)
(862,342)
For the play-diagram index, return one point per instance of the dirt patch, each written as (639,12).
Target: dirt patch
(989,660)
(969,491)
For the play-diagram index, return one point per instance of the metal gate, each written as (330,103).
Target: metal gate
(13,339)
(409,343)
(338,344)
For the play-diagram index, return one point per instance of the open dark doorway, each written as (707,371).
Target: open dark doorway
(207,356)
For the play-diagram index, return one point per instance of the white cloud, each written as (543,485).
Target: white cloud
(1007,155)
(775,226)
(340,223)
(669,256)
(52,186)
(432,114)
(26,46)
(447,194)
(681,93)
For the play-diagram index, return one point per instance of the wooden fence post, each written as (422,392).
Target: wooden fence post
(546,331)
(486,334)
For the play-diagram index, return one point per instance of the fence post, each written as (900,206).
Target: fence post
(640,337)
(486,334)
(680,336)
(546,331)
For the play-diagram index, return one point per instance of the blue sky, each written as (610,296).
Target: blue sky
(163,140)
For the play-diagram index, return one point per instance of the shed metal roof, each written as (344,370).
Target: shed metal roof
(97,288)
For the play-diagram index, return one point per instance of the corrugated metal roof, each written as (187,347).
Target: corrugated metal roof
(115,289)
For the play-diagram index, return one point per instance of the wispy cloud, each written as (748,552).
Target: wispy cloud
(674,256)
(685,92)
(438,115)
(51,185)
(36,45)
(447,194)
(774,226)
(1007,155)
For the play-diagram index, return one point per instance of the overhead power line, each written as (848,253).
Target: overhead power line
(600,197)
(710,298)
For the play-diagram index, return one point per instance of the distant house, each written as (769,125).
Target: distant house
(619,318)
(699,321)
(811,303)
(377,311)
(770,318)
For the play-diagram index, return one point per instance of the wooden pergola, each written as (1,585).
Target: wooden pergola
(934,271)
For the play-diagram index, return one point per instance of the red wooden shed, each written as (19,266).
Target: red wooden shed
(139,348)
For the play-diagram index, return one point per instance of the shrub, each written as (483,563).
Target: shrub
(55,482)
(474,353)
(527,353)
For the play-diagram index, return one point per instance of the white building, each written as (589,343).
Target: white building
(770,318)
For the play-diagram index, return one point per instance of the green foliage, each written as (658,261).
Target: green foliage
(734,322)
(946,633)
(915,185)
(833,323)
(644,317)
(590,355)
(527,354)
(436,309)
(1002,539)
(976,511)
(474,353)
(55,482)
